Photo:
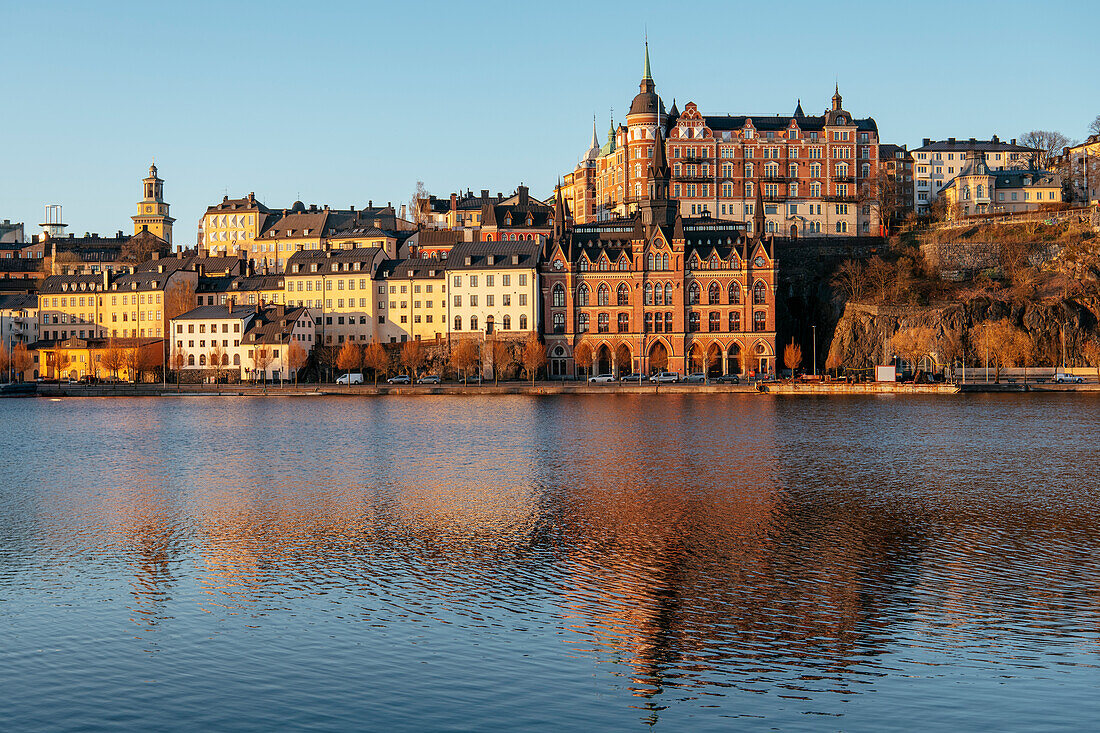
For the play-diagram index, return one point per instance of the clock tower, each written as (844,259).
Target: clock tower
(152,210)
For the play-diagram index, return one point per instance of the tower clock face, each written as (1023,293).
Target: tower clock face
(759,261)
(148,209)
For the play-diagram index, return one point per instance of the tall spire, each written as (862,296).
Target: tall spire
(838,101)
(595,140)
(646,74)
(758,214)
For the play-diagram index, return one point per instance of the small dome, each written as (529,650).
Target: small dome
(298,206)
(646,103)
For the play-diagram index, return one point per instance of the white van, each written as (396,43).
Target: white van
(350,379)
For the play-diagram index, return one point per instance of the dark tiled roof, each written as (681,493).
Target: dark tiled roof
(274,325)
(65,284)
(810,123)
(957,145)
(228,205)
(18,301)
(413,267)
(209,312)
(366,256)
(501,252)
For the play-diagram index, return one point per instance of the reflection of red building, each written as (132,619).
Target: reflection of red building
(657,290)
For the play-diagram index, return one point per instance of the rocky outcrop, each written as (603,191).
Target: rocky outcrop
(861,337)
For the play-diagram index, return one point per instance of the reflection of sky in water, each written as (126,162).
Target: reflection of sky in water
(587,562)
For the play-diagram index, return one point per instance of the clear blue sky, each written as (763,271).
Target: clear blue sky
(343,102)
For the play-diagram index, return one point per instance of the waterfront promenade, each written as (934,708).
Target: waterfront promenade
(548,388)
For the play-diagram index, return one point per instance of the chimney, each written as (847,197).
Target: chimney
(523,195)
(251,196)
(454,202)
(156,255)
(229,302)
(973,140)
(370,204)
(995,139)
(402,211)
(1013,141)
(951,140)
(104,279)
(484,193)
(927,142)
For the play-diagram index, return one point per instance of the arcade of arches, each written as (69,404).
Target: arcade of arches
(714,357)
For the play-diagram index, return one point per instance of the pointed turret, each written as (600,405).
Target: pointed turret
(657,208)
(659,167)
(646,74)
(798,113)
(595,140)
(838,101)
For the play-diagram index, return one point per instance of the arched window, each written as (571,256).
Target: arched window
(623,294)
(966,192)
(582,295)
(693,321)
(771,170)
(664,262)
(668,293)
(604,264)
(225,359)
(236,360)
(651,262)
(190,360)
(488,237)
(473,323)
(735,321)
(735,293)
(759,293)
(582,265)
(559,323)
(693,294)
(458,323)
(649,322)
(759,321)
(582,323)
(648,298)
(558,295)
(522,322)
(714,262)
(624,263)
(668,322)
(507,322)
(202,359)
(603,295)
(981,189)
(714,294)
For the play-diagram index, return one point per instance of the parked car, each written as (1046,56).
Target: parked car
(728,379)
(632,377)
(428,379)
(350,378)
(1063,378)
(665,377)
(696,378)
(602,379)
(399,379)
(89,379)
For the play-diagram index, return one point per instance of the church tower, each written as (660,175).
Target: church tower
(152,210)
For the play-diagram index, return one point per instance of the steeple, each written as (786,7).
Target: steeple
(646,86)
(595,140)
(798,113)
(152,210)
(838,101)
(657,208)
(646,74)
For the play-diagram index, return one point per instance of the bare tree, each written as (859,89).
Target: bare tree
(1094,126)
(376,359)
(261,360)
(792,356)
(412,357)
(21,360)
(113,358)
(131,360)
(622,359)
(1008,345)
(913,344)
(464,357)
(142,246)
(418,204)
(880,277)
(1091,349)
(178,299)
(349,358)
(5,360)
(179,358)
(534,356)
(582,357)
(218,360)
(851,279)
(502,358)
(295,359)
(1049,143)
(883,193)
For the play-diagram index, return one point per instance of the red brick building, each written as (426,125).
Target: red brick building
(658,290)
(812,167)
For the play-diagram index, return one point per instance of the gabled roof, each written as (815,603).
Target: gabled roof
(479,254)
(411,268)
(218,312)
(365,256)
(274,325)
(65,284)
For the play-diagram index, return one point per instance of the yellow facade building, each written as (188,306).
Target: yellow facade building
(415,299)
(977,190)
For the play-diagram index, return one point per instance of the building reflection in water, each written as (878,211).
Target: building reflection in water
(693,546)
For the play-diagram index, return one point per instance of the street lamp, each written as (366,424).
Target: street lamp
(815,349)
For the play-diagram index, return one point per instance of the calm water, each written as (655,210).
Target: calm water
(714,562)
